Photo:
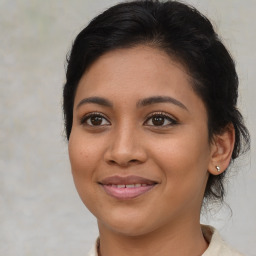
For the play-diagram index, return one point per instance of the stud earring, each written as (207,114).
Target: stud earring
(218,168)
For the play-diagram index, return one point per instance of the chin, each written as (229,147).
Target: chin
(127,224)
(129,229)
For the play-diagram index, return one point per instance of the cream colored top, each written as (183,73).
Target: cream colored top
(217,246)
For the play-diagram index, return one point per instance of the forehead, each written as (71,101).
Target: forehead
(128,76)
(140,69)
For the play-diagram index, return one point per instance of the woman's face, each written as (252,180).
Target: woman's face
(139,147)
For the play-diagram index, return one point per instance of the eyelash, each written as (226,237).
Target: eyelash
(172,121)
(87,117)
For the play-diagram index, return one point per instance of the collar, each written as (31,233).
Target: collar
(217,246)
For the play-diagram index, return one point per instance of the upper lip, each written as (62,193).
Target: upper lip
(125,180)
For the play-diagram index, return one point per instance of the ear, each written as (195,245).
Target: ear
(221,150)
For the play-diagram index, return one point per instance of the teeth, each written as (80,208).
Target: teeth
(120,186)
(130,186)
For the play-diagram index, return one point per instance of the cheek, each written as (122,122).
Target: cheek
(184,160)
(83,157)
(82,153)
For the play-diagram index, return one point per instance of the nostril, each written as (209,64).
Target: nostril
(112,162)
(126,163)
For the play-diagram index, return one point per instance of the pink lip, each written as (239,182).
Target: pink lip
(132,179)
(110,185)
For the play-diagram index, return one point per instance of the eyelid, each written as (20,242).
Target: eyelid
(85,117)
(172,119)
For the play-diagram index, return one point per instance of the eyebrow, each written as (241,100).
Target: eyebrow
(95,100)
(160,99)
(141,103)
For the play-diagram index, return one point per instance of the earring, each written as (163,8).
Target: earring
(218,168)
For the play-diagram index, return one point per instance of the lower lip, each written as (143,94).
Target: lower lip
(126,193)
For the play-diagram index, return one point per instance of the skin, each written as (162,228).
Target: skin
(176,154)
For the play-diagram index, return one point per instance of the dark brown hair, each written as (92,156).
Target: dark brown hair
(183,33)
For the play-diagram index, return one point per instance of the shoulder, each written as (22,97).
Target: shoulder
(217,246)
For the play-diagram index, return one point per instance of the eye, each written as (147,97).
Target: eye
(160,119)
(94,119)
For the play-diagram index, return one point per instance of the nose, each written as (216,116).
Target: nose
(125,148)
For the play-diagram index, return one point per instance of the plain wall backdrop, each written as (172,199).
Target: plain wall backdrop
(40,211)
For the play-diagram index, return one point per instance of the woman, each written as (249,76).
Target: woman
(152,124)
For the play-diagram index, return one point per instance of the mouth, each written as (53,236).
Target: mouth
(129,187)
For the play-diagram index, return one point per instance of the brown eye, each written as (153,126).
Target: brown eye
(94,119)
(160,119)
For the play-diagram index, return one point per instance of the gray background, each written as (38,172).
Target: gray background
(40,211)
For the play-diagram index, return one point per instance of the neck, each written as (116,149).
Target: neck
(181,239)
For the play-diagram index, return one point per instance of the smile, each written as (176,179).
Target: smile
(129,185)
(124,188)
